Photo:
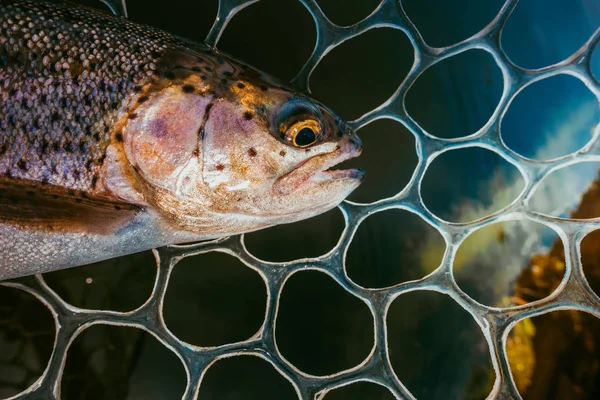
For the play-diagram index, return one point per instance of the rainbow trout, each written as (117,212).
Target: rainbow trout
(117,137)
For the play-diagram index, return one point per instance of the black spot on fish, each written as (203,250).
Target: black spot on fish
(196,69)
(54,117)
(188,89)
(142,99)
(117,207)
(3,149)
(22,165)
(282,153)
(241,85)
(195,153)
(220,167)
(132,116)
(252,152)
(247,115)
(94,180)
(119,136)
(137,88)
(203,77)
(204,119)
(227,73)
(169,75)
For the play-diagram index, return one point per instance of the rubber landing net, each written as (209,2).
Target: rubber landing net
(573,292)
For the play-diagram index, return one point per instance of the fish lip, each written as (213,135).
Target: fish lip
(326,174)
(306,171)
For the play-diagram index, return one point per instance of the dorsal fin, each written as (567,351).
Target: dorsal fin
(56,209)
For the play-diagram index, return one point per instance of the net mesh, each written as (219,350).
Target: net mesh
(574,292)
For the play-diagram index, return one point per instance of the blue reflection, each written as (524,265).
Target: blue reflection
(543,32)
(551,118)
(548,119)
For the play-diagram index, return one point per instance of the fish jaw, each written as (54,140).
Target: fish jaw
(315,170)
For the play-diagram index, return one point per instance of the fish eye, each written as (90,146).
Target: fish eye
(305,137)
(303,133)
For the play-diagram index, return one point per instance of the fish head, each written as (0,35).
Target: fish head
(269,154)
(248,153)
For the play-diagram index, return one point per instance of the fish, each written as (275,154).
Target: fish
(116,137)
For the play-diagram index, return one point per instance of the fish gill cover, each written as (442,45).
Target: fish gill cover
(529,206)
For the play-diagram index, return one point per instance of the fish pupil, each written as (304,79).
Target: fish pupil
(305,137)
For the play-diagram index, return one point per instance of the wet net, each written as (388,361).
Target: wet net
(573,292)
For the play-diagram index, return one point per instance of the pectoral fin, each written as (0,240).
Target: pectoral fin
(56,209)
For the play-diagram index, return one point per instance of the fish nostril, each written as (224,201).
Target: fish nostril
(355,141)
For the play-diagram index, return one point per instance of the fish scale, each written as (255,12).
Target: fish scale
(117,138)
(64,85)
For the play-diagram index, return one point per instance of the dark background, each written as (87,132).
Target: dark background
(436,347)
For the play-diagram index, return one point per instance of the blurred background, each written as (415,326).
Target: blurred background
(436,348)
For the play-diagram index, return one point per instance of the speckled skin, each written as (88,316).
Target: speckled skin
(66,74)
(115,138)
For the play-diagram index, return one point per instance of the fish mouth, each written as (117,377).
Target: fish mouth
(319,168)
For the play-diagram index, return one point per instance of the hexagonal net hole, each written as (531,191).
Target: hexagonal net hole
(27,333)
(556,356)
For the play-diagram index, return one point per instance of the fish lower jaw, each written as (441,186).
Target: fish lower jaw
(318,169)
(328,172)
(338,174)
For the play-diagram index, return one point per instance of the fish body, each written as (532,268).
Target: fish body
(117,137)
